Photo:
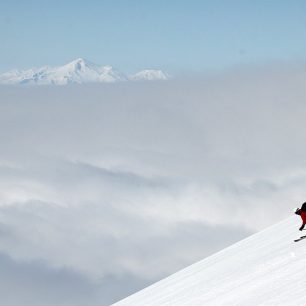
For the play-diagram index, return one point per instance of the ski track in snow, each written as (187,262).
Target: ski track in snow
(267,268)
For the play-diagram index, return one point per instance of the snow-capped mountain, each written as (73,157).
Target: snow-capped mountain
(267,268)
(78,71)
(149,75)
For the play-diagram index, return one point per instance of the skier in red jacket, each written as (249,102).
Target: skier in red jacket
(302,212)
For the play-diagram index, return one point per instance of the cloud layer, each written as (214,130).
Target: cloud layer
(107,188)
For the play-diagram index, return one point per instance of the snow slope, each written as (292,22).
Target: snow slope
(79,71)
(267,268)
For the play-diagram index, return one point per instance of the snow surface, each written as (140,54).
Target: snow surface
(79,71)
(267,268)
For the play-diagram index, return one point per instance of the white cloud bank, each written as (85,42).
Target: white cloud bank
(106,188)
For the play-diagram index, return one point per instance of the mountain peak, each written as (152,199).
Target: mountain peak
(149,75)
(80,63)
(79,60)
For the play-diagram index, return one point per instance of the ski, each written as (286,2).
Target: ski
(301,238)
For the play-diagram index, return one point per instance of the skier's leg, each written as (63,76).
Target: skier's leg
(302,227)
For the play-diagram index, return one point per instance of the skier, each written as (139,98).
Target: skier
(302,212)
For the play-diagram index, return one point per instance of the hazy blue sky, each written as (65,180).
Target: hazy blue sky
(176,36)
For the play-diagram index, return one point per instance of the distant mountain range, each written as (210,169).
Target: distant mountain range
(79,71)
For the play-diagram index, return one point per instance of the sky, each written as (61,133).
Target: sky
(176,36)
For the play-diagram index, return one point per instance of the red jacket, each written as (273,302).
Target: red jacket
(303,216)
